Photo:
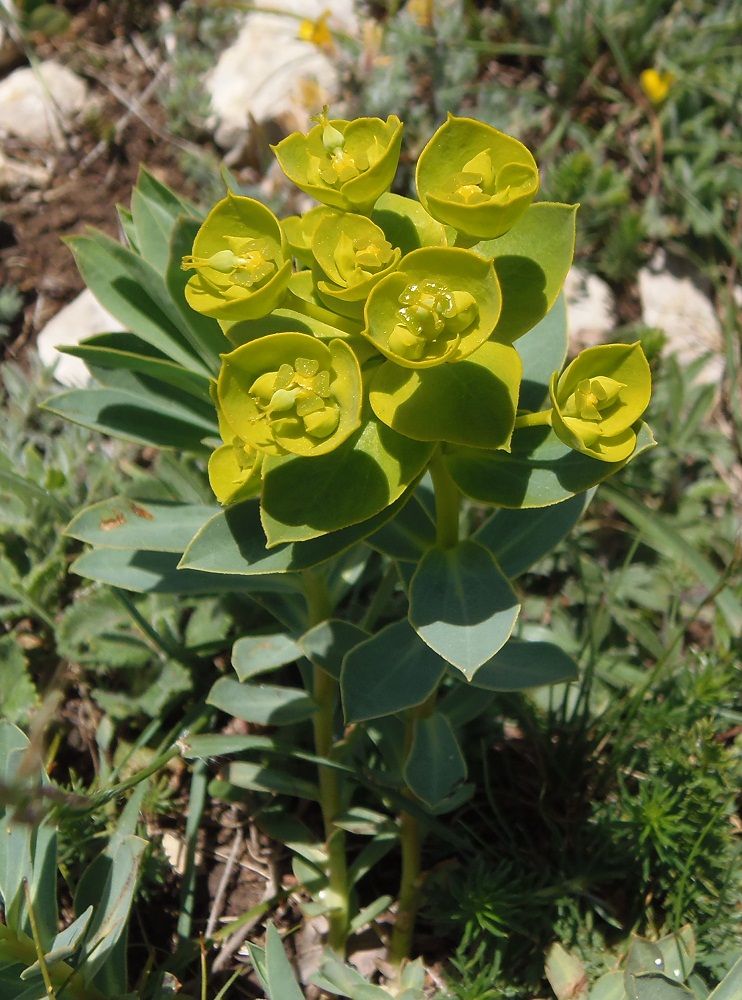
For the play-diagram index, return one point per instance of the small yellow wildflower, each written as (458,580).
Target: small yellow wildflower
(317,31)
(656,84)
(421,11)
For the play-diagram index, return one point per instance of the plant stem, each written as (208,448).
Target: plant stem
(542,418)
(447,499)
(330,789)
(411,842)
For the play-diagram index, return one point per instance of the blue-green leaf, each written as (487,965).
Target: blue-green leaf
(264,704)
(123,523)
(387,673)
(435,764)
(327,644)
(539,471)
(462,606)
(521,664)
(158,573)
(519,538)
(543,351)
(233,541)
(257,654)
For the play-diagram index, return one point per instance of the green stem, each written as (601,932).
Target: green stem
(411,842)
(447,498)
(325,690)
(542,418)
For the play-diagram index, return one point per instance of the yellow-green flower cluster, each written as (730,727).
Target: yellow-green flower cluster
(377,307)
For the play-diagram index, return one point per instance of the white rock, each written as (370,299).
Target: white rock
(15,175)
(675,303)
(270,74)
(82,318)
(590,309)
(33,100)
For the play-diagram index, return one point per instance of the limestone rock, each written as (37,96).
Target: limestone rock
(16,175)
(673,300)
(82,318)
(270,74)
(35,101)
(590,309)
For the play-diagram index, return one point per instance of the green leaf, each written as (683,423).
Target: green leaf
(265,704)
(65,944)
(532,261)
(679,953)
(153,224)
(521,664)
(328,643)
(543,350)
(369,913)
(127,415)
(233,542)
(462,606)
(408,535)
(519,538)
(256,654)
(609,987)
(730,988)
(406,224)
(125,351)
(471,402)
(539,471)
(655,986)
(257,777)
(435,764)
(18,695)
(307,497)
(158,573)
(113,899)
(342,980)
(123,523)
(387,673)
(662,536)
(134,293)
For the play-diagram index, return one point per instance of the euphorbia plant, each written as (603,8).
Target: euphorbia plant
(365,378)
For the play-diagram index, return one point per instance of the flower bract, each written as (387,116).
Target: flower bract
(344,164)
(599,398)
(289,393)
(352,256)
(475,178)
(441,304)
(240,261)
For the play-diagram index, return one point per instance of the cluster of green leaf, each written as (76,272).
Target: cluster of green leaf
(11,303)
(194,37)
(610,807)
(565,78)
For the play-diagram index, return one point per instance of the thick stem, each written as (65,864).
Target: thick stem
(325,695)
(541,418)
(447,498)
(411,842)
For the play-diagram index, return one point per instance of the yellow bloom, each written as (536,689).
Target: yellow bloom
(656,84)
(317,31)
(421,11)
